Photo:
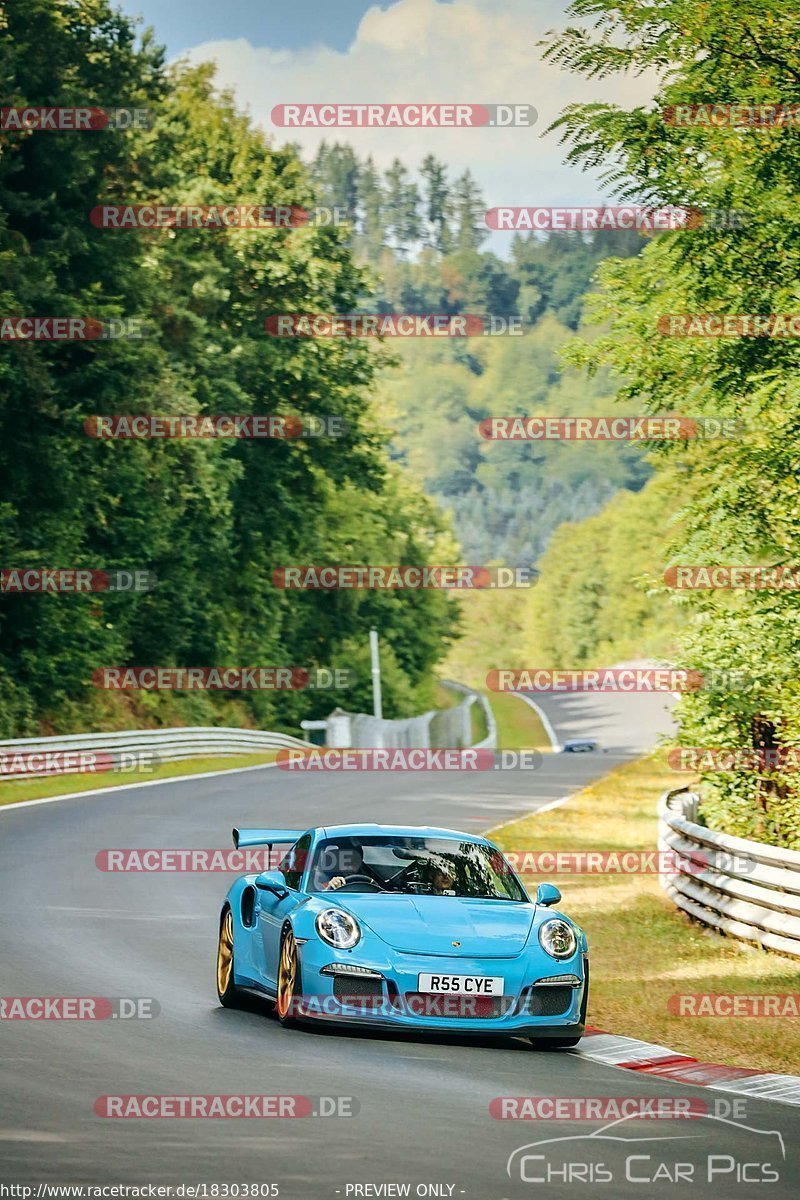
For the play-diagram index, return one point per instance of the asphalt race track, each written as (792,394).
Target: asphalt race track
(69,929)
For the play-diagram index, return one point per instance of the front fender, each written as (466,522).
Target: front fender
(241,897)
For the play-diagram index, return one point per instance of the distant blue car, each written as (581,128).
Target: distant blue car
(579,745)
(400,927)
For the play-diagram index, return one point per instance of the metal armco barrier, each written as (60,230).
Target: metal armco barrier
(165,745)
(744,889)
(439,729)
(472,697)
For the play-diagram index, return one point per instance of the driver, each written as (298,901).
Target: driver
(349,861)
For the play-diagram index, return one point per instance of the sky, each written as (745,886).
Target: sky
(477,51)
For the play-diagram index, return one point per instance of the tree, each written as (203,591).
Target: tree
(469,211)
(401,207)
(742,491)
(437,204)
(335,174)
(371,208)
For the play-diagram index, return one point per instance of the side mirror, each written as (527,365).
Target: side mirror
(272,881)
(547,894)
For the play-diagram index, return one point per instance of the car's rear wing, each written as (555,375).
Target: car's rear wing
(265,837)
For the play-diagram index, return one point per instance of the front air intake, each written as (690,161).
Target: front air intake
(353,985)
(549,1001)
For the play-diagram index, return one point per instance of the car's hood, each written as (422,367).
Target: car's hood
(431,924)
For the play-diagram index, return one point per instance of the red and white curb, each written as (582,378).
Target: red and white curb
(650,1059)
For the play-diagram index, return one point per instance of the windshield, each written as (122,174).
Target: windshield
(413,866)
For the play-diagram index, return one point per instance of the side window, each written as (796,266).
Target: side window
(294,862)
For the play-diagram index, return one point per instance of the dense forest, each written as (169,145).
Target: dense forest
(731,500)
(424,235)
(210,519)
(603,593)
(422,238)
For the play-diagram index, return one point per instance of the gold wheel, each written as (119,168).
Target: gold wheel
(225,955)
(287,976)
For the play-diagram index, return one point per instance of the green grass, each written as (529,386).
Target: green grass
(445,697)
(60,785)
(644,950)
(518,725)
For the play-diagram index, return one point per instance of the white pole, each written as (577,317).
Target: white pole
(376,674)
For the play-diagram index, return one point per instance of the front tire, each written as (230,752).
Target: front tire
(227,991)
(290,988)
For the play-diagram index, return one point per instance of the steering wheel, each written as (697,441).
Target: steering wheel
(358,879)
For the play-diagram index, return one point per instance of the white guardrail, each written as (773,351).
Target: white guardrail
(745,889)
(73,753)
(438,729)
(90,753)
(473,697)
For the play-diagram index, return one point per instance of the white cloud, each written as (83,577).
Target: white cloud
(479,51)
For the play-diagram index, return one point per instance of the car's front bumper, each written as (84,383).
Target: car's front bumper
(390,997)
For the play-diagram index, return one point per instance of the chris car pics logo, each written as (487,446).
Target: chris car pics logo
(712,1154)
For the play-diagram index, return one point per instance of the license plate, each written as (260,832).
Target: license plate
(462,985)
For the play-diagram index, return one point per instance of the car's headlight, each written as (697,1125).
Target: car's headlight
(338,928)
(557,937)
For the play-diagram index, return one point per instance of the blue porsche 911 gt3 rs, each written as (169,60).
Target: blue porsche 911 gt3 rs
(411,928)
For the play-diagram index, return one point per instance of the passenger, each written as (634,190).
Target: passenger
(442,883)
